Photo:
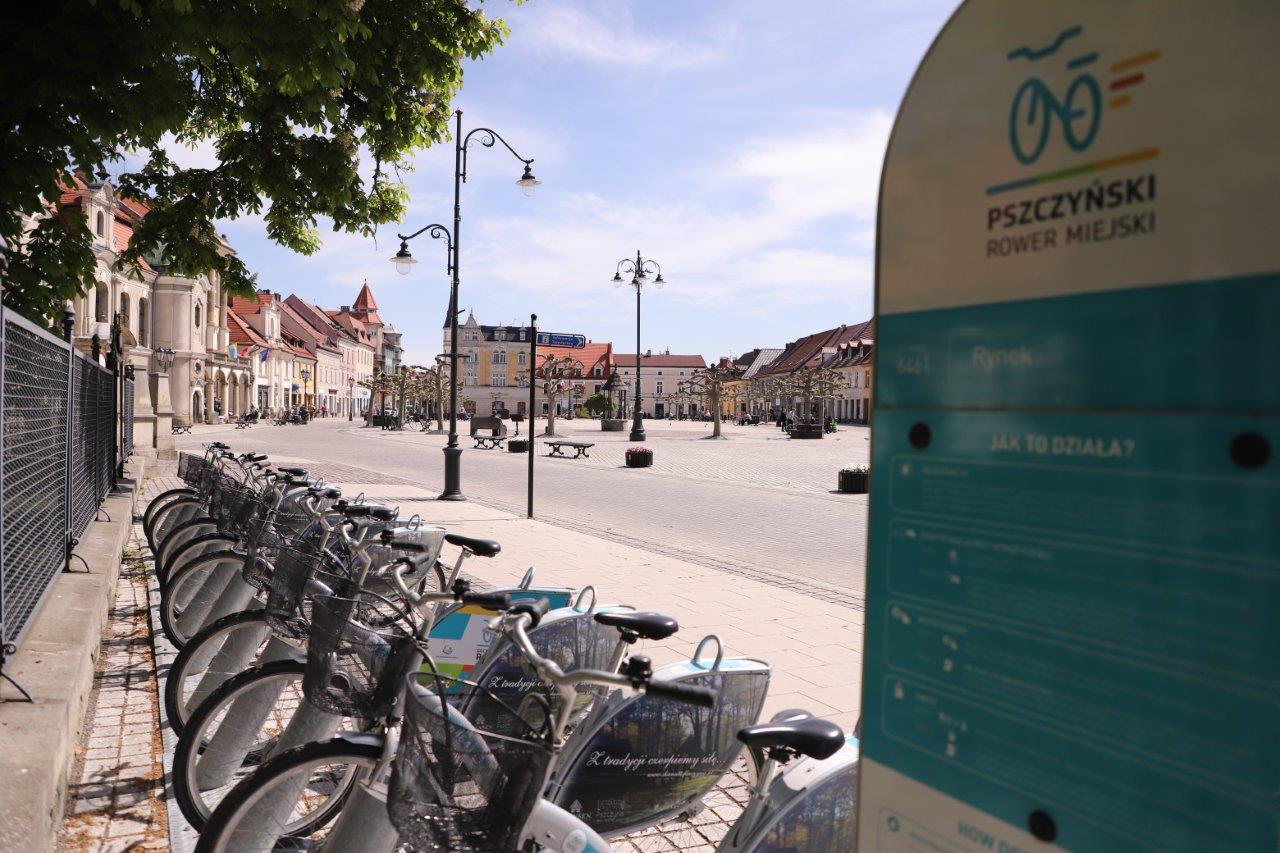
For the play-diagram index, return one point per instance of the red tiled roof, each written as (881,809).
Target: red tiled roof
(124,236)
(240,331)
(589,356)
(808,350)
(659,360)
(313,316)
(366,304)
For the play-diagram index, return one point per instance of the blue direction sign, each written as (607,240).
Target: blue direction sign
(555,339)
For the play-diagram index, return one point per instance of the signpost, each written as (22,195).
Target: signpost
(1073,571)
(557,339)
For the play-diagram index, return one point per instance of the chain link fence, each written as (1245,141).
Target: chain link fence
(58,455)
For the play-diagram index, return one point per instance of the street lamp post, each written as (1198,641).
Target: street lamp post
(639,269)
(404,263)
(351,398)
(305,373)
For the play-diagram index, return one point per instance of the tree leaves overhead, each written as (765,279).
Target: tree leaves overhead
(313,107)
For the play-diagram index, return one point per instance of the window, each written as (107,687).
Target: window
(499,334)
(500,357)
(597,371)
(102,304)
(855,379)
(101,225)
(197,315)
(124,310)
(522,334)
(143,335)
(498,380)
(659,386)
(867,384)
(520,358)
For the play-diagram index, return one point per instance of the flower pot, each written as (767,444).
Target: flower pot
(518,445)
(639,458)
(613,424)
(854,482)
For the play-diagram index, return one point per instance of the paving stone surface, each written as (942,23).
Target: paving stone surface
(115,800)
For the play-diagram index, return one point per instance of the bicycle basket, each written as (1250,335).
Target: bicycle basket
(352,669)
(191,469)
(458,788)
(292,568)
(235,505)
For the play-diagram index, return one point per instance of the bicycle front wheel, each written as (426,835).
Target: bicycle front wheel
(295,796)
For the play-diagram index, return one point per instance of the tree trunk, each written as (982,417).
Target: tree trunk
(551,416)
(715,415)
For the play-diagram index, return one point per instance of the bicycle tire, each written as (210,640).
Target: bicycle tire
(176,599)
(154,505)
(194,740)
(178,705)
(189,549)
(165,519)
(181,534)
(218,833)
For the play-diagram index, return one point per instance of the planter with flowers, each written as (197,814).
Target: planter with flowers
(854,479)
(639,457)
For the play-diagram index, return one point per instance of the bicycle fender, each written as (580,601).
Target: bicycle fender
(555,829)
(361,738)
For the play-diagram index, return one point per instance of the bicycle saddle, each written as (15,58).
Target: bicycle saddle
(650,626)
(330,492)
(293,472)
(811,736)
(479,547)
(378,513)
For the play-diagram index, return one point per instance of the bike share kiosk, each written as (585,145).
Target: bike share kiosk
(1074,568)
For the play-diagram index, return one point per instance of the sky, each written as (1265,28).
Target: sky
(737,143)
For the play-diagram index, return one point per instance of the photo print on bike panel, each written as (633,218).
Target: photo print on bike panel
(1074,562)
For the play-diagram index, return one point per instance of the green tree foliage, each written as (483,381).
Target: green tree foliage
(598,404)
(312,106)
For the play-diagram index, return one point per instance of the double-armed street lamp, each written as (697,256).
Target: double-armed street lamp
(404,262)
(640,269)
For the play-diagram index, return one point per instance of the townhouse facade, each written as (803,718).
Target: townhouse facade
(661,377)
(202,356)
(493,366)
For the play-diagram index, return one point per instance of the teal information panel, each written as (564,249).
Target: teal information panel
(1068,603)
(1073,578)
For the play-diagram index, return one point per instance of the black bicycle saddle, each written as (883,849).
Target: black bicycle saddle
(650,626)
(479,547)
(812,737)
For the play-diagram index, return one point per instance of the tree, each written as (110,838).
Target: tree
(708,384)
(312,109)
(557,374)
(599,404)
(814,383)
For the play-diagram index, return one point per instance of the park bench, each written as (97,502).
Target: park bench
(180,427)
(580,448)
(497,430)
(489,442)
(244,423)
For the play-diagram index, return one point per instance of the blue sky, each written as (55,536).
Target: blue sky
(736,142)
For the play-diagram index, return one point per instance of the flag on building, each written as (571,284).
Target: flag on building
(262,354)
(231,350)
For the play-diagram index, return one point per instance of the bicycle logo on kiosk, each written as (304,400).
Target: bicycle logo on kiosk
(1035,106)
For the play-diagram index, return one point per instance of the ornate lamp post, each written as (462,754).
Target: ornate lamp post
(404,263)
(351,397)
(639,270)
(305,373)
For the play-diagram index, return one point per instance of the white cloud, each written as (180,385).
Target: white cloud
(576,33)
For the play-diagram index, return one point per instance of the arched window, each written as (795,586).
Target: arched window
(500,357)
(197,315)
(143,336)
(102,304)
(867,384)
(124,311)
(101,225)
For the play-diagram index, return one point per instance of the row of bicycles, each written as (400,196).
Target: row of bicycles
(340,686)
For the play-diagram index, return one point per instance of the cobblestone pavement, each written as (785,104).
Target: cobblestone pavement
(115,798)
(756,503)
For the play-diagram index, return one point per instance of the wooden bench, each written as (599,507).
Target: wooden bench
(489,442)
(580,448)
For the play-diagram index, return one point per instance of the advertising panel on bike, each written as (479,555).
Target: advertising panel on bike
(1074,561)
(652,757)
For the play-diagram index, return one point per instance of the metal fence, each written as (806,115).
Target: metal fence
(58,458)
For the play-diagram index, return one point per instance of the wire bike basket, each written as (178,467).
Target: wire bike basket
(355,670)
(455,787)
